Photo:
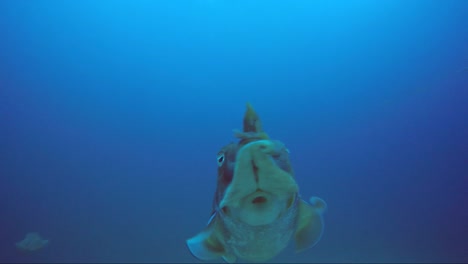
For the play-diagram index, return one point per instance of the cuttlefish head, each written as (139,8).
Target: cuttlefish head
(256,208)
(255,178)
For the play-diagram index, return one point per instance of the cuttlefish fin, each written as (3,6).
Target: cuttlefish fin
(206,245)
(230,258)
(310,223)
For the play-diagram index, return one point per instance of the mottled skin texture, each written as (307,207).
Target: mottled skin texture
(256,208)
(252,131)
(226,170)
(253,243)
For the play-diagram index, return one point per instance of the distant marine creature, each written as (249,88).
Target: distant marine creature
(32,242)
(257,208)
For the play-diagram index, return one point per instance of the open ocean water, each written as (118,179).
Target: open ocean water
(112,113)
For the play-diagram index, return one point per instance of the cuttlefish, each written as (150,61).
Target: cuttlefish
(257,209)
(32,242)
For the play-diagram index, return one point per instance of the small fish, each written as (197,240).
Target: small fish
(32,242)
(256,208)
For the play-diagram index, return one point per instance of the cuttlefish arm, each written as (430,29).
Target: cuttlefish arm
(310,223)
(266,175)
(207,245)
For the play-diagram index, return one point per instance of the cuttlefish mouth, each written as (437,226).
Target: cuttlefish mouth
(260,190)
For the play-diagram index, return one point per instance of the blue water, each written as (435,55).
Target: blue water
(112,113)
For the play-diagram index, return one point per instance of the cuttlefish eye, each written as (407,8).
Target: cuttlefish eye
(220,159)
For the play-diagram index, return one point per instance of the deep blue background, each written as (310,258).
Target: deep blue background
(112,113)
